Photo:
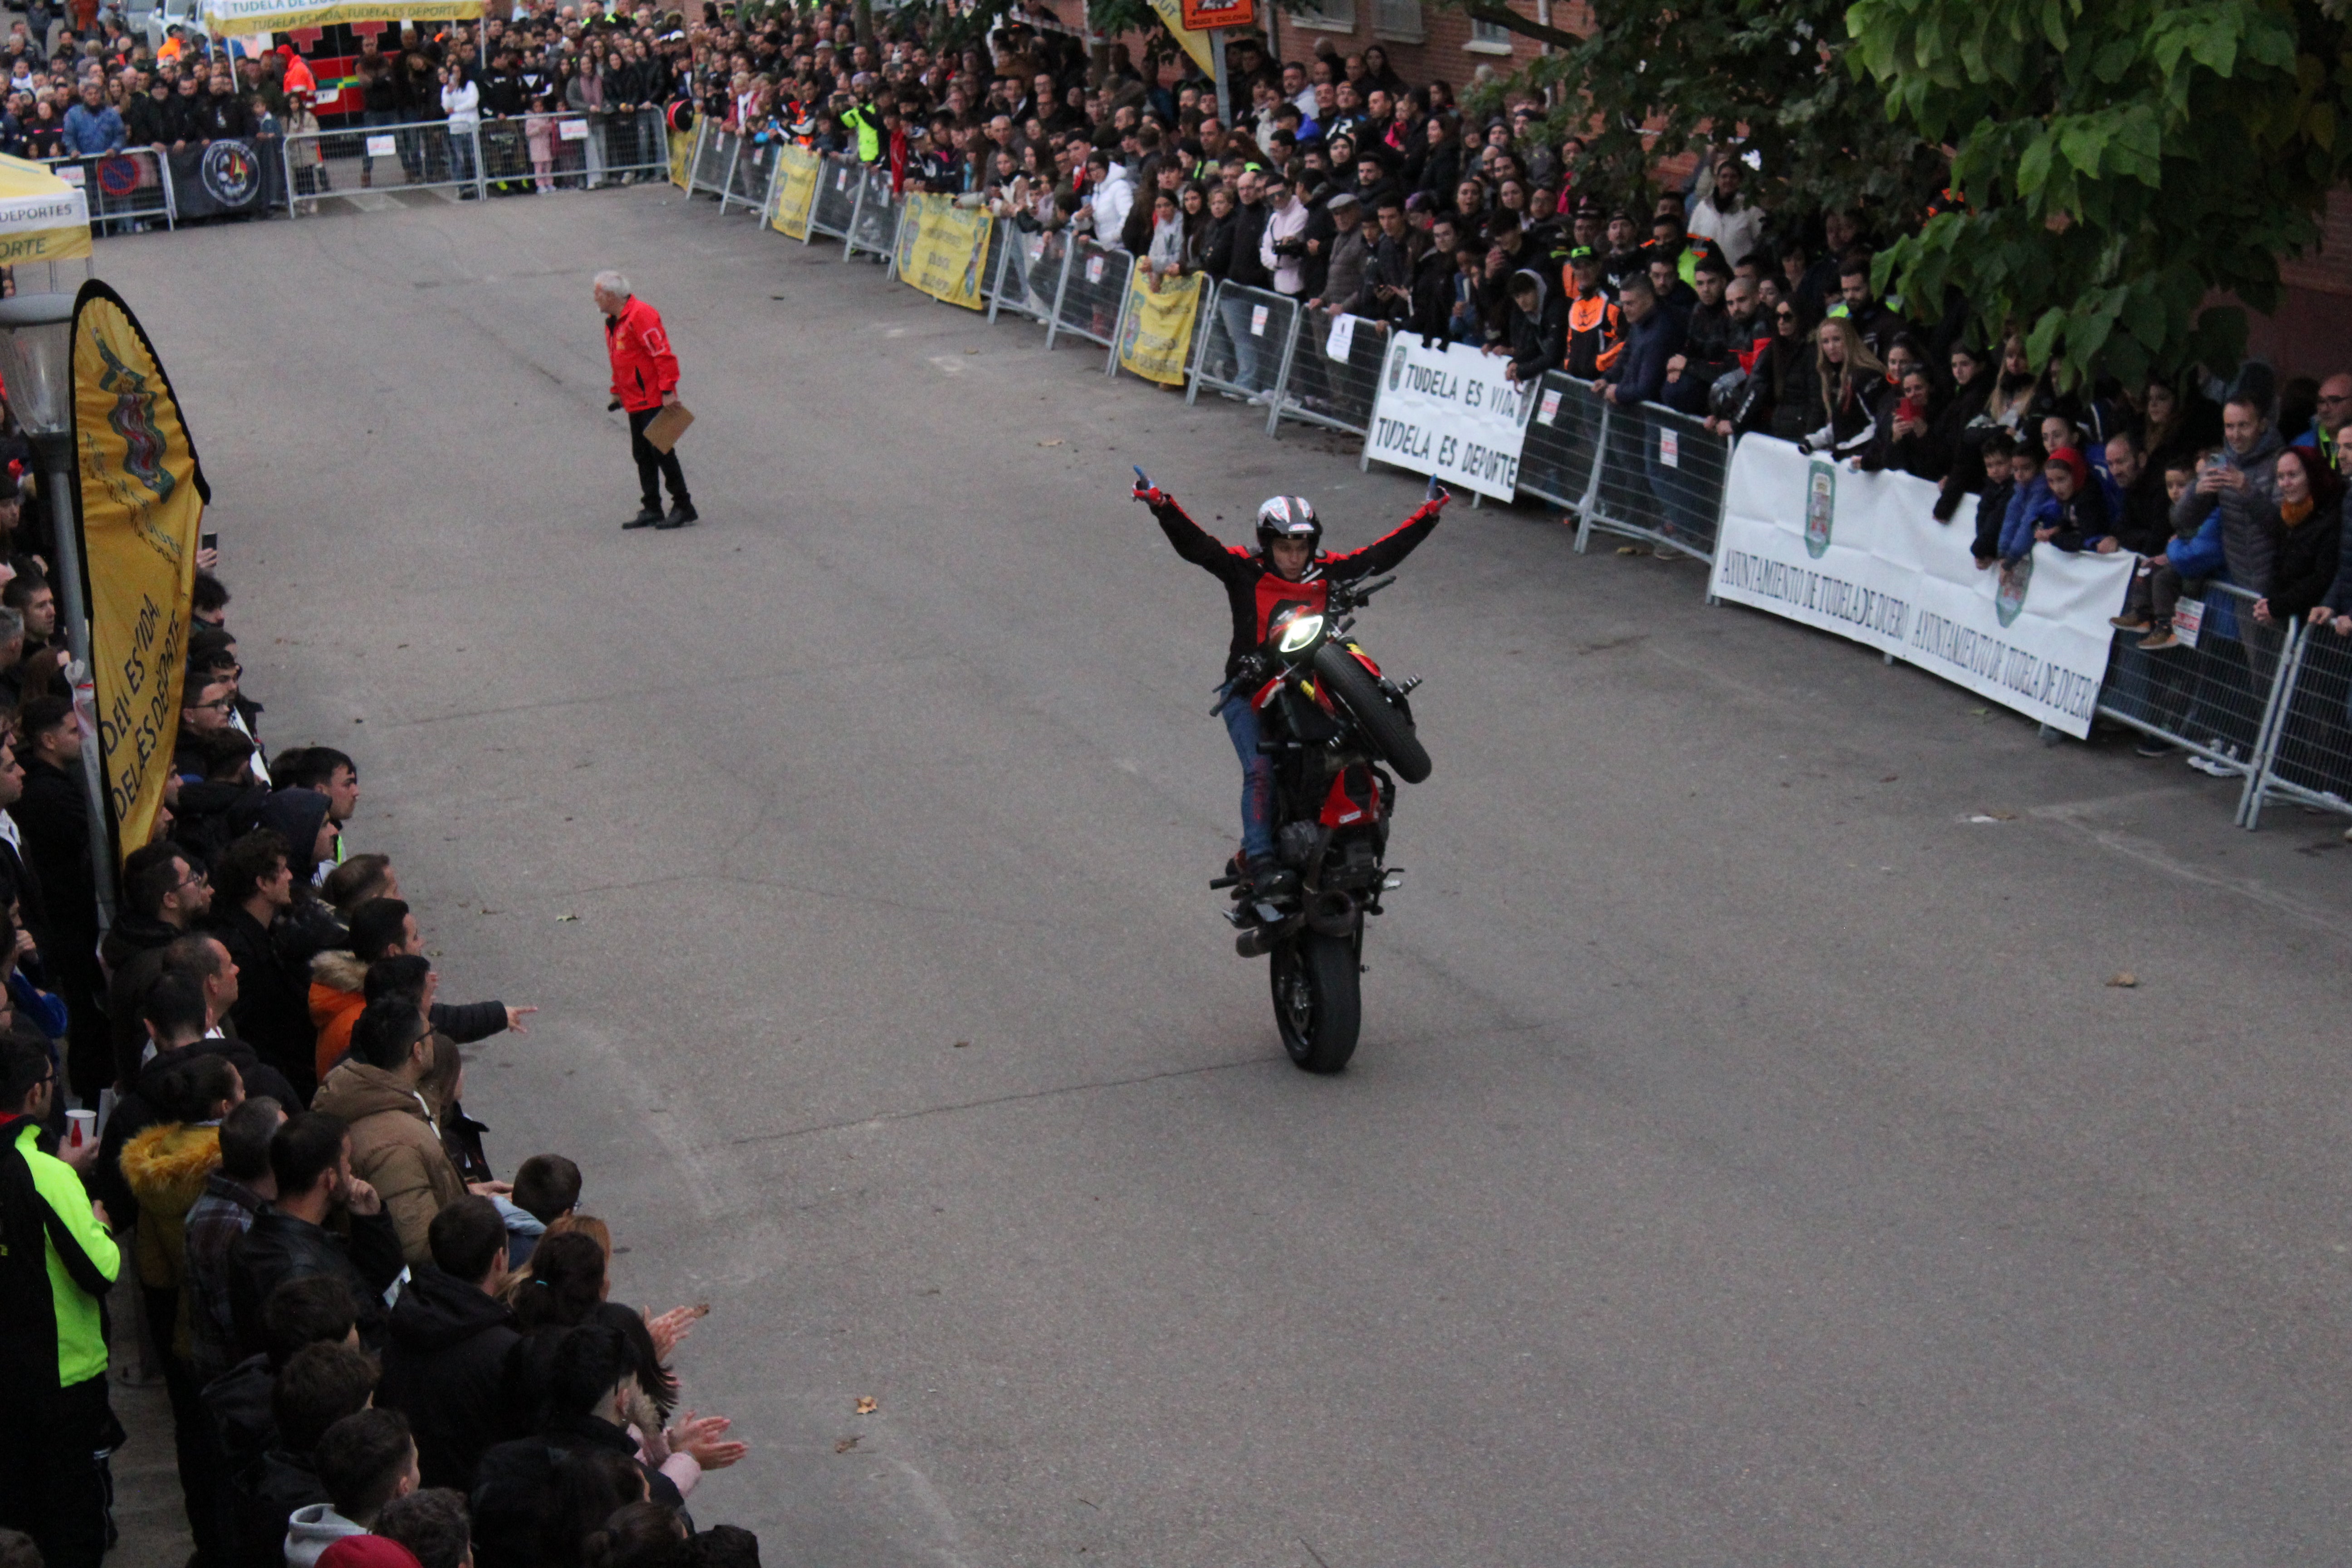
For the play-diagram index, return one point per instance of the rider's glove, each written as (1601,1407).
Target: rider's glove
(1438,495)
(1150,495)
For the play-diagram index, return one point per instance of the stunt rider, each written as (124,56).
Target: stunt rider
(1287,573)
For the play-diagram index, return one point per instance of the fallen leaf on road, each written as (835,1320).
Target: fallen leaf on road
(1890,778)
(2124,979)
(1629,550)
(971,351)
(562,918)
(961,1044)
(867,1405)
(1055,442)
(844,1445)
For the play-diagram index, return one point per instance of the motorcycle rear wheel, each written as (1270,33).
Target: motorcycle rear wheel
(1317,1000)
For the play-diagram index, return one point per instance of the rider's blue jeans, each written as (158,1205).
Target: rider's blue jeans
(1258,773)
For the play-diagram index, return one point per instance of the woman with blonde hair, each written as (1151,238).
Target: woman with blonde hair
(1854,384)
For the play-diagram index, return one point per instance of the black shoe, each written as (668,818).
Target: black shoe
(680,514)
(2149,746)
(1269,878)
(648,517)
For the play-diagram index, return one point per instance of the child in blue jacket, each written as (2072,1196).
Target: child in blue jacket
(2156,585)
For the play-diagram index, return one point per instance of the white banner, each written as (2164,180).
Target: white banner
(1861,555)
(1449,412)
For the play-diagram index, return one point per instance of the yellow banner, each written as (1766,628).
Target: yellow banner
(244,18)
(1157,344)
(143,507)
(943,248)
(681,154)
(1172,13)
(796,192)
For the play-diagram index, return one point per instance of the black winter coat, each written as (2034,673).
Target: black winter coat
(273,1007)
(446,1367)
(279,1248)
(514,1484)
(2303,563)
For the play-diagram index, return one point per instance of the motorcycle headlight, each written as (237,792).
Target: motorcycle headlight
(1301,633)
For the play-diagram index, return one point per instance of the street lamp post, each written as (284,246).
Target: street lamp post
(36,362)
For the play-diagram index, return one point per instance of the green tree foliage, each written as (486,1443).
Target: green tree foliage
(2117,161)
(1653,81)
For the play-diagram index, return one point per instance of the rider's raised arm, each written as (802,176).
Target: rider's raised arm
(1192,541)
(1384,553)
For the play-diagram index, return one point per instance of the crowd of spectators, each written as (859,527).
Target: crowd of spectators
(376,1353)
(1332,181)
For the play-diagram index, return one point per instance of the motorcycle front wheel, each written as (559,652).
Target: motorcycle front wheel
(1317,1002)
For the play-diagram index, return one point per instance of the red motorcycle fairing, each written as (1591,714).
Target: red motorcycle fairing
(1365,659)
(1354,799)
(1278,597)
(1266,693)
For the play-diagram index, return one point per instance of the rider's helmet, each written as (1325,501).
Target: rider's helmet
(1289,517)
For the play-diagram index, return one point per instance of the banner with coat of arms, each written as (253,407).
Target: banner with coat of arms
(1861,555)
(1156,343)
(943,248)
(141,496)
(230,176)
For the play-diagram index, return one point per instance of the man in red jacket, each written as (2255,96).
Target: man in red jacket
(645,381)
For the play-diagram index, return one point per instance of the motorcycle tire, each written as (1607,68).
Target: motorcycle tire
(1389,731)
(1317,1000)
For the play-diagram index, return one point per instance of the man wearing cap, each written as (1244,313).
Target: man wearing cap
(645,381)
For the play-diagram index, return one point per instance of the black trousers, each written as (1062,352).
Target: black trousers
(52,1484)
(653,467)
(203,1485)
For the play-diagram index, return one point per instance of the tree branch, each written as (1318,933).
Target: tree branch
(1504,16)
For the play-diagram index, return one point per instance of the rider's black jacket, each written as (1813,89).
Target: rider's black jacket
(1258,593)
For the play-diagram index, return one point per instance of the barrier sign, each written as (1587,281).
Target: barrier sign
(1449,412)
(1157,344)
(796,192)
(943,248)
(1861,555)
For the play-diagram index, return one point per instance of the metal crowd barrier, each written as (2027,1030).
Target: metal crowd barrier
(1092,299)
(714,158)
(620,148)
(747,180)
(1246,349)
(840,181)
(2216,696)
(1645,472)
(130,187)
(1336,392)
(2309,757)
(427,156)
(1029,268)
(505,154)
(874,222)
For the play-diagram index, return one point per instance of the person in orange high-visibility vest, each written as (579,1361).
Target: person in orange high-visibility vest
(645,381)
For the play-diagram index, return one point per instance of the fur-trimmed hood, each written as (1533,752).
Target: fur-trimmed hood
(166,1167)
(338,969)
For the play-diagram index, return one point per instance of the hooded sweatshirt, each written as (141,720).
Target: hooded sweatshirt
(313,1528)
(395,1149)
(167,1167)
(296,815)
(1539,337)
(445,1368)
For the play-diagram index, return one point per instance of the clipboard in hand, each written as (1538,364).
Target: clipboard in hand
(663,431)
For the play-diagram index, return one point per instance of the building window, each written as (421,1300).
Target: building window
(1326,15)
(1489,38)
(1398,19)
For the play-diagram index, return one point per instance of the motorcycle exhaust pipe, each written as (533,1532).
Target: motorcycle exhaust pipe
(1258,941)
(1330,913)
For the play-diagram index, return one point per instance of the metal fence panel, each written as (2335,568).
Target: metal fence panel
(2214,697)
(621,148)
(747,182)
(2309,756)
(125,189)
(507,166)
(1029,273)
(1093,294)
(1247,345)
(713,157)
(873,225)
(1335,391)
(426,155)
(838,184)
(1661,478)
(1560,455)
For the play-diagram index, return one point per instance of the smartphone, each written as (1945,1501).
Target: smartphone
(208,541)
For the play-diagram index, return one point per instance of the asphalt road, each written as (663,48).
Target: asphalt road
(1746,1160)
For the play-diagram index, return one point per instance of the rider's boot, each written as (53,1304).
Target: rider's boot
(1270,878)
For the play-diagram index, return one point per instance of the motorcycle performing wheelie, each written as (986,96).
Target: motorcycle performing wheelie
(1322,736)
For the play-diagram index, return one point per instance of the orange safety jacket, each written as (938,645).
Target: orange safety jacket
(1596,332)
